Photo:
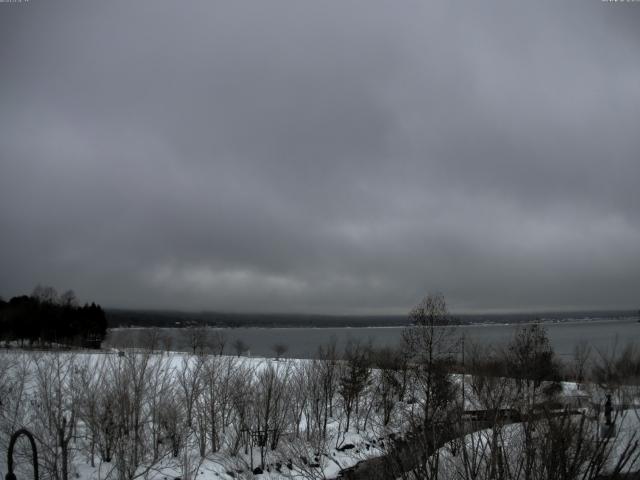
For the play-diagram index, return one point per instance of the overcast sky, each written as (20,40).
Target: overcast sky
(322,156)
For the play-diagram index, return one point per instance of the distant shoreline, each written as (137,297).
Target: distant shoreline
(567,321)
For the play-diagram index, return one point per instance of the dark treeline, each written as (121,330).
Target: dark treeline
(45,318)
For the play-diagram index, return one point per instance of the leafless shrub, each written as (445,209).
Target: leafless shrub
(55,411)
(355,375)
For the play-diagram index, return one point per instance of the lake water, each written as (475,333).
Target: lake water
(304,342)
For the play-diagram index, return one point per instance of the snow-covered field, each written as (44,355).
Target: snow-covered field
(164,416)
(43,390)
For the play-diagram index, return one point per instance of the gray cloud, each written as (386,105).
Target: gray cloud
(323,157)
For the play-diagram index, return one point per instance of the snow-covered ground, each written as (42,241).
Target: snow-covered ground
(77,382)
(293,458)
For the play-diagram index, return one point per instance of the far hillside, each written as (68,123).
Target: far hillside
(176,319)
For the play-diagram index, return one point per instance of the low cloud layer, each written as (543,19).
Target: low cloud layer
(340,157)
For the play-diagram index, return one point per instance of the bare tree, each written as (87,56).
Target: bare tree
(492,395)
(581,362)
(45,294)
(91,378)
(153,339)
(240,347)
(279,349)
(216,400)
(315,403)
(533,365)
(160,387)
(166,341)
(16,372)
(390,380)
(299,382)
(217,342)
(189,384)
(56,411)
(430,348)
(68,299)
(271,408)
(242,392)
(328,355)
(197,339)
(128,406)
(354,378)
